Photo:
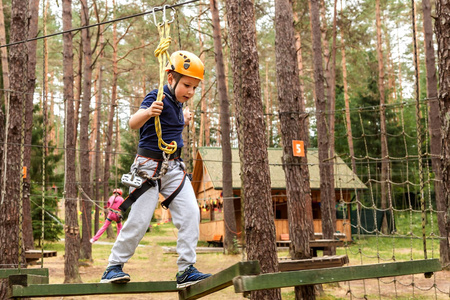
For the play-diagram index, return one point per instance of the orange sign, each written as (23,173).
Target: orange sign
(24,172)
(298,148)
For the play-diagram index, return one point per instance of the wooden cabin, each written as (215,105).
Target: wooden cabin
(207,184)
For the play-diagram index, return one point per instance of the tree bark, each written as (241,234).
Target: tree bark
(97,140)
(443,42)
(292,119)
(77,91)
(434,129)
(32,32)
(86,246)
(11,239)
(71,228)
(298,46)
(327,195)
(227,194)
(201,138)
(259,219)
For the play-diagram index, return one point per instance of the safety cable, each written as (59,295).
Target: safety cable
(100,23)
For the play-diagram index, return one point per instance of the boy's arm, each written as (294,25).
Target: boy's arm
(143,115)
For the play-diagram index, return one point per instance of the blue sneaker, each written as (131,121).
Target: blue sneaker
(114,274)
(189,277)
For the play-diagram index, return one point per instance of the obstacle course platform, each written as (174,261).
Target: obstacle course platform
(245,276)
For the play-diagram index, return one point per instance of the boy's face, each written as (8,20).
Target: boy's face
(185,88)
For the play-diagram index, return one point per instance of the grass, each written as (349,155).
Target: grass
(401,246)
(151,263)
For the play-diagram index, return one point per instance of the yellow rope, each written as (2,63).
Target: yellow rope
(163,57)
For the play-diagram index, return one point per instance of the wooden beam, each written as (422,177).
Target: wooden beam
(313,263)
(219,281)
(27,279)
(75,289)
(5,273)
(38,253)
(325,243)
(210,285)
(309,277)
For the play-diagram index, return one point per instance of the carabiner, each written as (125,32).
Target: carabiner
(172,13)
(154,15)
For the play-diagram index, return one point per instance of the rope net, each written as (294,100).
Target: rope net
(400,224)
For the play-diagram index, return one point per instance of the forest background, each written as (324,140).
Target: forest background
(124,70)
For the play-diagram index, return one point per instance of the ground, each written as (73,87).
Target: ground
(150,263)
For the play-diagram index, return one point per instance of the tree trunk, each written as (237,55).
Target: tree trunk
(332,84)
(292,119)
(259,219)
(86,246)
(268,108)
(77,91)
(97,140)
(71,228)
(201,139)
(384,147)
(227,196)
(11,239)
(348,122)
(32,32)
(434,129)
(443,41)
(298,46)
(109,134)
(4,55)
(327,195)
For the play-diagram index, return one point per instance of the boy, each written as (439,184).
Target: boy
(184,76)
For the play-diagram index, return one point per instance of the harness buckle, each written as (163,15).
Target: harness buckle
(132,180)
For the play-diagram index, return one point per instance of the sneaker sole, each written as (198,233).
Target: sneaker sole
(116,280)
(186,284)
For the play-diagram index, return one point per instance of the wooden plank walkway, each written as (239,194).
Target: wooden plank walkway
(313,263)
(80,289)
(26,287)
(32,256)
(308,277)
(219,281)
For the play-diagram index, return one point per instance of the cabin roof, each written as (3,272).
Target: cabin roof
(211,157)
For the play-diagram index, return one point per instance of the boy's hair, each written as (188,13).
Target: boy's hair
(177,76)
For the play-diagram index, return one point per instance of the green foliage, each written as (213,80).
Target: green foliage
(53,188)
(53,226)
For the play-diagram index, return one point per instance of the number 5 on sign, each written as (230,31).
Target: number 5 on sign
(298,148)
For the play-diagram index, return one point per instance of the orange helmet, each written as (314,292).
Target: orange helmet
(186,63)
(118,191)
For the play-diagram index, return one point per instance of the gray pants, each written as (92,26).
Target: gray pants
(183,208)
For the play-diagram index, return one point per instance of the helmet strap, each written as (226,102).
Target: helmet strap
(172,89)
